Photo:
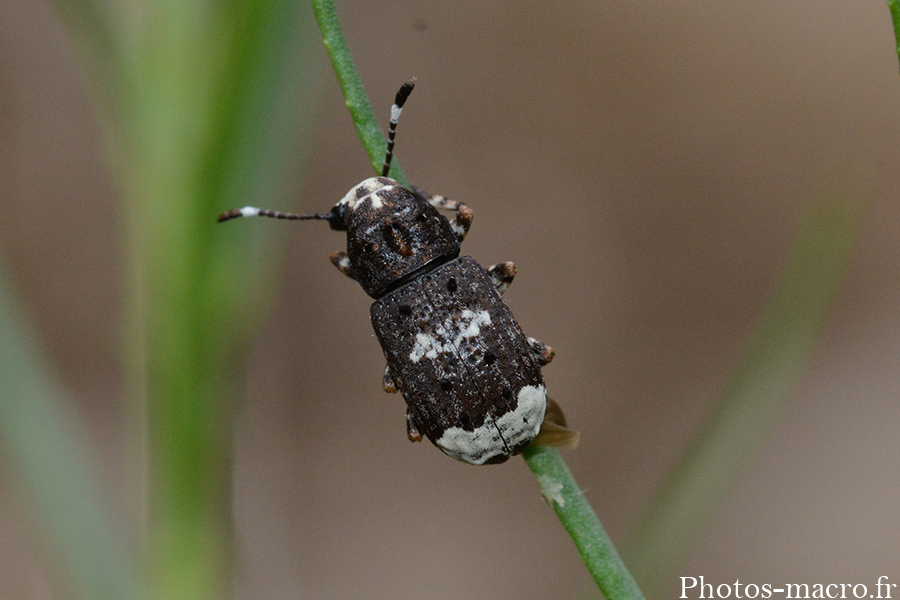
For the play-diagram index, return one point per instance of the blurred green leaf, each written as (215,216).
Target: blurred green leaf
(203,104)
(894,6)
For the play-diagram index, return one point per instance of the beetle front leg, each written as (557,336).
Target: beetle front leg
(544,352)
(464,215)
(340,260)
(502,275)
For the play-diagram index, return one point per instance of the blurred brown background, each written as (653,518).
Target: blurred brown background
(644,164)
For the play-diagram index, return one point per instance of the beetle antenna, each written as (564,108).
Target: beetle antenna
(332,218)
(402,94)
(252,211)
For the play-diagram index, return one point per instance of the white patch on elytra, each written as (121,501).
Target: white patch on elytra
(524,423)
(468,326)
(427,346)
(476,320)
(495,436)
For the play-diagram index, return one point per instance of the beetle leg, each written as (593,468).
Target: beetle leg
(340,260)
(502,275)
(387,382)
(544,352)
(412,431)
(464,215)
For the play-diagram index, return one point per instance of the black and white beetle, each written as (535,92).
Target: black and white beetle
(471,379)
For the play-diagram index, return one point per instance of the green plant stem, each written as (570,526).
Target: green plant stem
(894,5)
(355,96)
(561,491)
(751,404)
(548,466)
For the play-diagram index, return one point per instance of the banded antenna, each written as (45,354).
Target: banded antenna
(252,211)
(402,94)
(332,217)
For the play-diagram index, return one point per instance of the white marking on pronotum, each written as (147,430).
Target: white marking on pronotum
(352,199)
(493,437)
(551,490)
(373,198)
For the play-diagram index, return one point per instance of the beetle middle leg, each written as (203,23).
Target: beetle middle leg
(387,382)
(502,275)
(412,430)
(464,215)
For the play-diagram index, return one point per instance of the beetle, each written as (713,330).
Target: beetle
(470,377)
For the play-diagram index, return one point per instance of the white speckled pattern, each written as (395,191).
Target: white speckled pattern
(469,325)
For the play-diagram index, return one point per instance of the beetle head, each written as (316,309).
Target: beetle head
(391,233)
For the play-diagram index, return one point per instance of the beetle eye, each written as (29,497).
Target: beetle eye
(336,218)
